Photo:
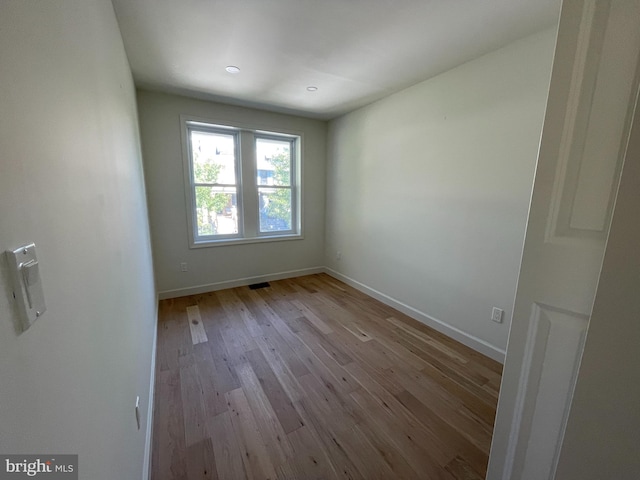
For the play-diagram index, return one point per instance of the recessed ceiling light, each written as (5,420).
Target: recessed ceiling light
(311,88)
(232,69)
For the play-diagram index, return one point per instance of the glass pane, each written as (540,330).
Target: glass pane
(216,210)
(273,161)
(213,157)
(275,209)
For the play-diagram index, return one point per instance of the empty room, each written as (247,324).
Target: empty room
(348,239)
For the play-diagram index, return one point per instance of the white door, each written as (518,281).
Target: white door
(592,93)
(602,439)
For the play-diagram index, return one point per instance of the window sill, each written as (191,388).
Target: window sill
(243,241)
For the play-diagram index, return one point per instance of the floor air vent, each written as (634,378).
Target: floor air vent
(255,286)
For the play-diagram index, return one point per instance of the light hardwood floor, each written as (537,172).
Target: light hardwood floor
(311,379)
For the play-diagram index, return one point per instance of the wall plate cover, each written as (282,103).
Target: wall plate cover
(27,286)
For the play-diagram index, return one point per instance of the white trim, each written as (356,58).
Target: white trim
(239,282)
(241,241)
(465,338)
(146,466)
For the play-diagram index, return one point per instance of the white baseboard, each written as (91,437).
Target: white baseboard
(240,282)
(465,338)
(146,469)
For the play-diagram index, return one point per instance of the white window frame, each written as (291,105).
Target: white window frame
(292,182)
(246,181)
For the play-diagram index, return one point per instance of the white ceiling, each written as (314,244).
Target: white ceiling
(354,51)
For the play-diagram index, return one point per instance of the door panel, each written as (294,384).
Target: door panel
(554,343)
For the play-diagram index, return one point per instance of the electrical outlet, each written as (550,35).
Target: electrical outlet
(183,267)
(496,314)
(338,255)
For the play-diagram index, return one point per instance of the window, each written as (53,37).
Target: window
(274,165)
(243,185)
(215,185)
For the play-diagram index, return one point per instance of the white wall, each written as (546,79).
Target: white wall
(71,181)
(428,190)
(222,266)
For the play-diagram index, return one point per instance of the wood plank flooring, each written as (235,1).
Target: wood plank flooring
(311,379)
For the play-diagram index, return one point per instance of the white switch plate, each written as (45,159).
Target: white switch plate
(27,286)
(496,314)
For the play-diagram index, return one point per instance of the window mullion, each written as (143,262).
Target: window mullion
(249,190)
(219,185)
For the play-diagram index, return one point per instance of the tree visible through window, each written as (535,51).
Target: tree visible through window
(214,175)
